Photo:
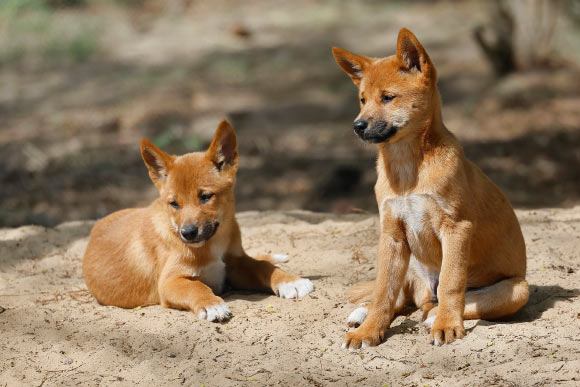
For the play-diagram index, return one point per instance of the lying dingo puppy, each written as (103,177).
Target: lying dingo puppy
(445,227)
(180,250)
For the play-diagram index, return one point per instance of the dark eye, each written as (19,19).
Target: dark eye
(387,98)
(204,197)
(174,204)
(362,100)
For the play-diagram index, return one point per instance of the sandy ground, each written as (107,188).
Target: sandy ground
(55,333)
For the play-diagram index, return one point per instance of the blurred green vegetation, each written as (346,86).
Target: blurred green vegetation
(129,3)
(32,32)
(41,31)
(78,48)
(174,139)
(13,7)
(66,3)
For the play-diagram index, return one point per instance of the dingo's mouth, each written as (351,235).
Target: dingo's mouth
(378,137)
(195,236)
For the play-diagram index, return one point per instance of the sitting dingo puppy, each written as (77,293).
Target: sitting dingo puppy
(448,234)
(181,249)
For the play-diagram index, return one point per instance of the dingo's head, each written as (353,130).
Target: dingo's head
(197,188)
(398,94)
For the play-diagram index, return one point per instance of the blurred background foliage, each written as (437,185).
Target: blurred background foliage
(82,81)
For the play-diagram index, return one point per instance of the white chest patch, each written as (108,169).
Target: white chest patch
(218,250)
(214,274)
(410,209)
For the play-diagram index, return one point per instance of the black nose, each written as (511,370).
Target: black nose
(360,126)
(189,232)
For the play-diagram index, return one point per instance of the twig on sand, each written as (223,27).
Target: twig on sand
(357,255)
(58,296)
(23,294)
(45,378)
(291,237)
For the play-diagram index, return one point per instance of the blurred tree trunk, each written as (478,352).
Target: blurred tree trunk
(497,39)
(519,34)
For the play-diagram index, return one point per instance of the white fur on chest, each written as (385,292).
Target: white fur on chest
(214,273)
(411,209)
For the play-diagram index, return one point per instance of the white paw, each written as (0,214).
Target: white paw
(357,316)
(279,258)
(428,323)
(295,289)
(220,312)
(343,346)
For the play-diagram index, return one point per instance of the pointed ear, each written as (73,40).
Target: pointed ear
(223,151)
(353,65)
(412,55)
(158,162)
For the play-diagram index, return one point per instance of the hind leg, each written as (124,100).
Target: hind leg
(245,272)
(261,273)
(501,299)
(416,291)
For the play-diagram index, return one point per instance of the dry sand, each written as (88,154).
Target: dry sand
(55,333)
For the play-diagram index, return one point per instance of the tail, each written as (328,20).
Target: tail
(361,292)
(502,299)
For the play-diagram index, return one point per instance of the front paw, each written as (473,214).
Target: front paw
(445,331)
(358,316)
(364,336)
(295,289)
(217,311)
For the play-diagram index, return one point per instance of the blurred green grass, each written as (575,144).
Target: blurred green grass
(174,139)
(32,32)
